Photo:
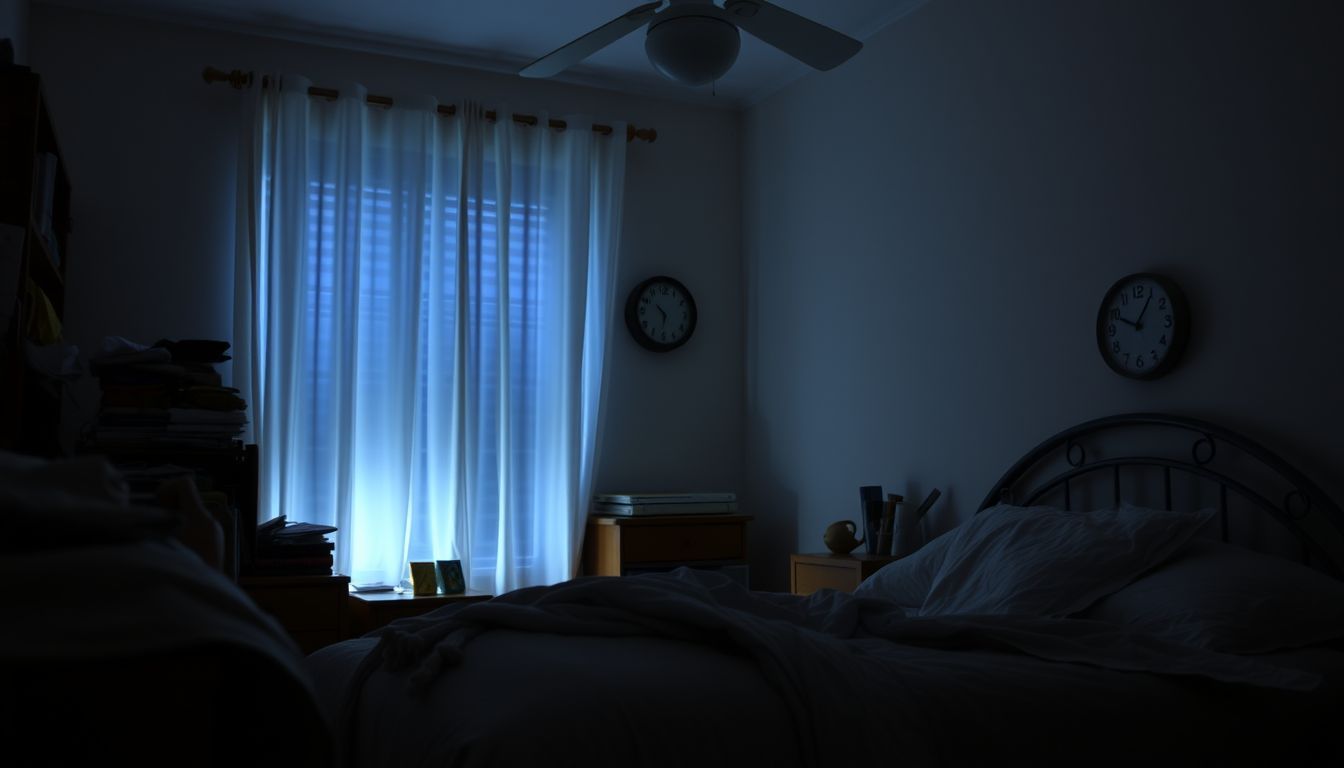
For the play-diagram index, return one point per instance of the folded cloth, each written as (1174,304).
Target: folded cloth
(116,350)
(195,350)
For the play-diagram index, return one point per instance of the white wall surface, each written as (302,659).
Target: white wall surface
(14,25)
(151,150)
(929,229)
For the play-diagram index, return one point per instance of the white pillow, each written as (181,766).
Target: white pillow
(907,581)
(1042,561)
(1224,598)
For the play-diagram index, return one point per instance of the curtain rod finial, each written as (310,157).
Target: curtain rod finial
(236,78)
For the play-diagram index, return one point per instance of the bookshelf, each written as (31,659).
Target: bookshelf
(34,235)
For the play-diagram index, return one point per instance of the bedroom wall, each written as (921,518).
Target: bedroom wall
(929,229)
(14,25)
(151,149)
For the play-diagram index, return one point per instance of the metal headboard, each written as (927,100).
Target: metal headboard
(1216,456)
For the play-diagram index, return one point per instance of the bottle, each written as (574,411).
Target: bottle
(909,530)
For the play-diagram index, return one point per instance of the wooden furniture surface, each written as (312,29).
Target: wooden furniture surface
(811,572)
(371,610)
(313,609)
(619,546)
(34,234)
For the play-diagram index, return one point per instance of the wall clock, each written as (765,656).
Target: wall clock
(1142,325)
(660,314)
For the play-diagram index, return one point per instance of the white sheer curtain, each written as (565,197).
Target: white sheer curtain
(423,314)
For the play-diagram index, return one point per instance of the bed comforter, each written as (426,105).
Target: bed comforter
(690,668)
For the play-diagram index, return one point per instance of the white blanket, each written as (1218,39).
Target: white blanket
(820,654)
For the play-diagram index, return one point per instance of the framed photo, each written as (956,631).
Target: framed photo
(450,577)
(423,580)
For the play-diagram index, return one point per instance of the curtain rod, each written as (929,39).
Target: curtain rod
(240,79)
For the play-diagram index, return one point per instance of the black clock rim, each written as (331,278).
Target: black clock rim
(632,314)
(1180,310)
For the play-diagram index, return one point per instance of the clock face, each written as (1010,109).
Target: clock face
(1142,326)
(660,314)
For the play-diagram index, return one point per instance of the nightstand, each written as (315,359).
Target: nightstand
(621,546)
(371,610)
(808,573)
(311,608)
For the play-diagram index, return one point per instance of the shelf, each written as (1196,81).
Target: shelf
(31,405)
(44,269)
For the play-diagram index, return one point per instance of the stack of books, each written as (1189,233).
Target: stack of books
(292,549)
(165,395)
(639,504)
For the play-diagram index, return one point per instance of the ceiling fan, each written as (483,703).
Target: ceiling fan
(696,41)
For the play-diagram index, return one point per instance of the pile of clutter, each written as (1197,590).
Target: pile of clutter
(165,395)
(292,549)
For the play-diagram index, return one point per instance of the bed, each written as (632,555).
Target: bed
(123,645)
(1102,607)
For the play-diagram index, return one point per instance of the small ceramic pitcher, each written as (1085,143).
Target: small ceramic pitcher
(839,537)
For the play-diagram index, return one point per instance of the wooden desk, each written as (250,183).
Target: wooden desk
(371,610)
(311,608)
(620,546)
(811,572)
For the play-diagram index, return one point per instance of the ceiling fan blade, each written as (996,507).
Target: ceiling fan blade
(816,45)
(572,53)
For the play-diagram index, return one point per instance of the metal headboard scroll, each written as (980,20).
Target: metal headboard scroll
(1303,501)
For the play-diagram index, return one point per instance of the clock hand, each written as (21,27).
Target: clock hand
(1138,321)
(1126,322)
(661,312)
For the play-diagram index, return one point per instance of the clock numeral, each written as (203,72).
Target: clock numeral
(644,300)
(1124,299)
(1126,358)
(662,336)
(641,311)
(1166,321)
(1138,361)
(1162,303)
(644,324)
(681,327)
(1115,347)
(1115,313)
(1111,329)
(1162,340)
(1138,291)
(1154,353)
(665,291)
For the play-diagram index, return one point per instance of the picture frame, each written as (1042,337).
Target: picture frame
(451,581)
(423,579)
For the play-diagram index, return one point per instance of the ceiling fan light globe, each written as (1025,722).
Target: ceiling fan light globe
(692,50)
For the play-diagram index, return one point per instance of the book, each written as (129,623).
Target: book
(267,563)
(664,498)
(665,508)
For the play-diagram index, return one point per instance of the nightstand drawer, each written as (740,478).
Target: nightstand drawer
(302,608)
(681,543)
(811,572)
(369,611)
(811,577)
(312,609)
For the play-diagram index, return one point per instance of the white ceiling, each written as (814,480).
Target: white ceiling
(504,35)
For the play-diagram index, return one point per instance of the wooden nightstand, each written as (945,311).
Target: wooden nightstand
(808,573)
(311,608)
(371,610)
(620,546)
